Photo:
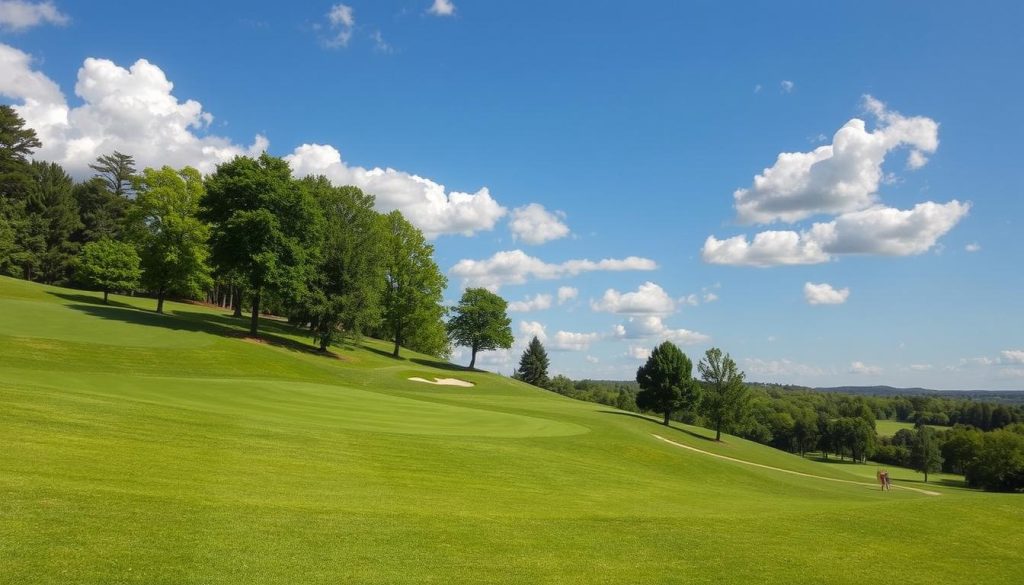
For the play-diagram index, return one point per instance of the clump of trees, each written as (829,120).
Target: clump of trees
(249,236)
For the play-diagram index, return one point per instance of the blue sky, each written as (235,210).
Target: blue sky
(616,132)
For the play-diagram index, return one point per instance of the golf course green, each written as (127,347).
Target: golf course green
(153,449)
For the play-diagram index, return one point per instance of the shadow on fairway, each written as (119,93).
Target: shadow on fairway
(659,423)
(79,298)
(441,365)
(193,322)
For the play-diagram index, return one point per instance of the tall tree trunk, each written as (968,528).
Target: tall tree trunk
(238,302)
(106,293)
(668,413)
(254,323)
(472,360)
(398,341)
(160,301)
(718,431)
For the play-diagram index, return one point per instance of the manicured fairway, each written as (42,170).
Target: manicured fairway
(139,448)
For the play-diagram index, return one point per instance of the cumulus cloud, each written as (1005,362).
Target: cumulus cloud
(517,267)
(530,329)
(779,368)
(973,247)
(653,328)
(824,294)
(1011,356)
(537,303)
(787,86)
(571,341)
(134,110)
(535,225)
(566,294)
(425,203)
(649,298)
(710,297)
(877,230)
(864,369)
(18,15)
(839,177)
(592,360)
(638,353)
(442,8)
(341,20)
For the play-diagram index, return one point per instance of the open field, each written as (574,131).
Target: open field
(888,428)
(140,448)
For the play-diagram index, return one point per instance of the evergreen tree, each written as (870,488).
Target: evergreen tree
(22,236)
(480,323)
(109,266)
(102,213)
(666,382)
(533,365)
(117,171)
(172,241)
(53,208)
(725,396)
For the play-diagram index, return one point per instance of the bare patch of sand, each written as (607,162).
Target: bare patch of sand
(444,382)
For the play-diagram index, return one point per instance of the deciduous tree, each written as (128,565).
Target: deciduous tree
(725,394)
(925,455)
(480,323)
(666,381)
(109,265)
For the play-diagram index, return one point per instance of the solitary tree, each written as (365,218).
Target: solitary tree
(344,295)
(925,455)
(413,286)
(171,239)
(725,395)
(481,323)
(109,265)
(666,382)
(264,228)
(116,170)
(533,365)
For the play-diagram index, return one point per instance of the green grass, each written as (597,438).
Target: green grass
(139,448)
(888,428)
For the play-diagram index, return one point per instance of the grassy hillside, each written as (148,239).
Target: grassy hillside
(140,448)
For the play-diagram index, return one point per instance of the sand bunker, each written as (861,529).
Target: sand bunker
(444,382)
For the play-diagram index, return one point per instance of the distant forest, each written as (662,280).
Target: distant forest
(955,432)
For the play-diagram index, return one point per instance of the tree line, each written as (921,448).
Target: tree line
(250,235)
(803,421)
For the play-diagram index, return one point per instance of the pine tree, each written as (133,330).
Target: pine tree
(666,382)
(533,365)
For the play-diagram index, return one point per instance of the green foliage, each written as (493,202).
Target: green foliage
(666,381)
(533,365)
(999,463)
(414,285)
(22,234)
(116,171)
(925,455)
(725,395)
(101,212)
(480,322)
(171,240)
(53,203)
(17,142)
(109,266)
(265,228)
(344,294)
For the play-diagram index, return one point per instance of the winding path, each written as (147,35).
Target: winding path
(726,457)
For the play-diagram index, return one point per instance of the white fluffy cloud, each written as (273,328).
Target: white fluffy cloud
(787,86)
(973,247)
(442,8)
(1011,356)
(517,267)
(534,224)
(571,341)
(536,303)
(638,353)
(20,15)
(425,203)
(648,299)
(134,111)
(824,294)
(530,329)
(341,20)
(839,177)
(567,293)
(653,328)
(864,369)
(878,230)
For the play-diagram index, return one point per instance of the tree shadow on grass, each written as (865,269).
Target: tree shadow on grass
(194,322)
(89,299)
(659,423)
(442,365)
